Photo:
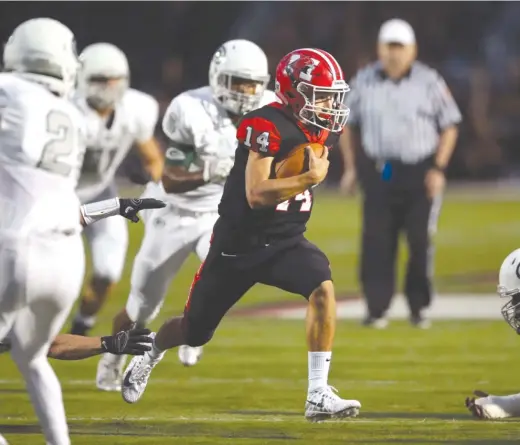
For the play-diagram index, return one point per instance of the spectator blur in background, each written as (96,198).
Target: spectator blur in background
(474,45)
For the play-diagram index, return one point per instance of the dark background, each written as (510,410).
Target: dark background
(475,46)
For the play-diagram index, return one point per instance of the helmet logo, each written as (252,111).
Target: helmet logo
(306,72)
(220,55)
(518,271)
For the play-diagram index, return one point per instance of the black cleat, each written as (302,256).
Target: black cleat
(80,328)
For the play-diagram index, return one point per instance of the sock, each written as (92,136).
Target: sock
(155,353)
(87,320)
(319,364)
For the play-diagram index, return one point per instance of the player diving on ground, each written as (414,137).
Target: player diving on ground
(484,405)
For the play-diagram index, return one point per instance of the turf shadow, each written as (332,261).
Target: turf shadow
(124,429)
(420,441)
(415,416)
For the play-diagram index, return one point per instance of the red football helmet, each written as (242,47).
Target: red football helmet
(310,82)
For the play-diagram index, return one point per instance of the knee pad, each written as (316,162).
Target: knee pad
(195,334)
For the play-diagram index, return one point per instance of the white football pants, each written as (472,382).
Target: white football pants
(108,242)
(40,279)
(171,234)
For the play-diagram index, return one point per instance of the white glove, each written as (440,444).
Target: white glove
(217,170)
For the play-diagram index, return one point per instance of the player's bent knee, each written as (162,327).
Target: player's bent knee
(195,334)
(323,294)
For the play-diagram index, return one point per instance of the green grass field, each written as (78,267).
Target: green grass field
(250,386)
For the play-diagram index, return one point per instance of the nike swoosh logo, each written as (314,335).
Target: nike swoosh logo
(126,381)
(227,254)
(128,209)
(317,405)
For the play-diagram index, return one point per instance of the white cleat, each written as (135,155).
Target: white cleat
(188,355)
(110,372)
(137,374)
(324,403)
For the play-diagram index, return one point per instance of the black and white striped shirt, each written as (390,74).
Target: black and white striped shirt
(401,119)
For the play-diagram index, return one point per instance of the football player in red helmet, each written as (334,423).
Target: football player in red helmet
(259,236)
(310,82)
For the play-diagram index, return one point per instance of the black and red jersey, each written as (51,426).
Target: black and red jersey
(273,132)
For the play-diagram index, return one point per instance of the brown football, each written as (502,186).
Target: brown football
(297,162)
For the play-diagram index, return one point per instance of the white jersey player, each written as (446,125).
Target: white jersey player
(116,117)
(200,125)
(41,251)
(487,406)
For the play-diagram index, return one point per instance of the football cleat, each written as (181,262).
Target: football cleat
(188,355)
(324,403)
(80,328)
(137,374)
(110,372)
(375,322)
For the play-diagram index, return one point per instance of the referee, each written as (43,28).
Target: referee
(400,137)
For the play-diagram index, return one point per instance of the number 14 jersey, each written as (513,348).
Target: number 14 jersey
(273,132)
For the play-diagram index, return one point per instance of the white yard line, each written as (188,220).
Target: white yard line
(444,307)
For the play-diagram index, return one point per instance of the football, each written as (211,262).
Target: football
(297,162)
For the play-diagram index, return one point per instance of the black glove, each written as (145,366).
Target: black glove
(128,208)
(133,342)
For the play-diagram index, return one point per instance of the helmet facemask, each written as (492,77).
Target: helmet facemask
(238,93)
(316,112)
(511,310)
(105,92)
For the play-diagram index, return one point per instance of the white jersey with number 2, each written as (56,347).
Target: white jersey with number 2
(41,150)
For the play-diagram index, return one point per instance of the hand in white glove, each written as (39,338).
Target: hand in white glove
(217,170)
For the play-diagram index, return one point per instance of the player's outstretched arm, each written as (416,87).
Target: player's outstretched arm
(127,208)
(264,192)
(78,347)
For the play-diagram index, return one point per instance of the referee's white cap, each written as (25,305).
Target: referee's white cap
(396,31)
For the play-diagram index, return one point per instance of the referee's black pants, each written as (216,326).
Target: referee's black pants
(390,207)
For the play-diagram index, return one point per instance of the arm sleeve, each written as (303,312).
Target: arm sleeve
(175,125)
(447,112)
(259,135)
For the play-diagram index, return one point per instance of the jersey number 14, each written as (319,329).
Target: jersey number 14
(305,200)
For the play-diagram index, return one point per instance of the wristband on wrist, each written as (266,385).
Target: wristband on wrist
(99,210)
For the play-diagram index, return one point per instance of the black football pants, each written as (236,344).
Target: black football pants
(391,206)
